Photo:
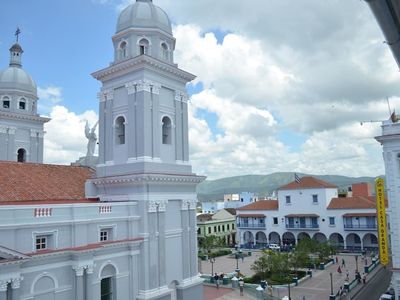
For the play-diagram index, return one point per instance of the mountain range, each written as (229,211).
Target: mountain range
(264,185)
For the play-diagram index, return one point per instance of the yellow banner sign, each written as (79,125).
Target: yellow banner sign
(381,218)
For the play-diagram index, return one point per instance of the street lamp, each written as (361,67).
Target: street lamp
(288,285)
(237,256)
(356,257)
(330,274)
(212,261)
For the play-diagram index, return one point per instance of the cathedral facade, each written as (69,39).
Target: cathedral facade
(126,230)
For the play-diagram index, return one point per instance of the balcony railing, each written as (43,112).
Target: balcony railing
(251,225)
(360,226)
(302,226)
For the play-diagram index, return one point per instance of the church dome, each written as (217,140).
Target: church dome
(144,14)
(14,78)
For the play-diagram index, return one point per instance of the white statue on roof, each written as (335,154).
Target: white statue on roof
(92,139)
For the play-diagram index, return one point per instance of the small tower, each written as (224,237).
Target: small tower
(144,152)
(21,128)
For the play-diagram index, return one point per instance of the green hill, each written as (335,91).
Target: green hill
(264,184)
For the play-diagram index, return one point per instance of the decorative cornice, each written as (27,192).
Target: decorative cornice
(181,96)
(79,270)
(143,85)
(157,206)
(4,284)
(37,133)
(188,204)
(16,282)
(13,116)
(149,178)
(141,62)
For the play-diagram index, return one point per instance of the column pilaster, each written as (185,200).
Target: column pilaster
(79,291)
(15,286)
(89,282)
(3,289)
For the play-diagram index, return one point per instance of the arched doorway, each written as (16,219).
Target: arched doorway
(107,283)
(336,240)
(248,239)
(302,236)
(261,239)
(370,242)
(319,237)
(21,155)
(353,242)
(274,238)
(288,238)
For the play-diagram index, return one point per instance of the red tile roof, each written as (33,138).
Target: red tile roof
(261,205)
(41,182)
(355,202)
(307,182)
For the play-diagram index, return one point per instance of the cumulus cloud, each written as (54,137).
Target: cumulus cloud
(48,98)
(65,139)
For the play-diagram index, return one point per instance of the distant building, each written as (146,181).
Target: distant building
(311,209)
(221,224)
(230,201)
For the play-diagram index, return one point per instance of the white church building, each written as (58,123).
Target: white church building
(126,230)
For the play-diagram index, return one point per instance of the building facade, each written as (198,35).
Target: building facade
(311,208)
(128,229)
(222,225)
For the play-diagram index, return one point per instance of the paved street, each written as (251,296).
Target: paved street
(376,287)
(316,288)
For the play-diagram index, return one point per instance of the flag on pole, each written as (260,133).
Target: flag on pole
(296,178)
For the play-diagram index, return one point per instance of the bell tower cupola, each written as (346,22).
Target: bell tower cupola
(16,55)
(143,29)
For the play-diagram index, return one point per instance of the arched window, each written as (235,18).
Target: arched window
(22,103)
(166,130)
(165,51)
(123,50)
(6,102)
(120,131)
(144,46)
(21,155)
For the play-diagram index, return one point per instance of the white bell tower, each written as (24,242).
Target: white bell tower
(144,152)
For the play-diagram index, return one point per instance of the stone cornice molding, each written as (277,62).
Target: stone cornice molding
(135,30)
(143,85)
(13,116)
(142,61)
(149,178)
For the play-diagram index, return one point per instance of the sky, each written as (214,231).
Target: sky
(282,85)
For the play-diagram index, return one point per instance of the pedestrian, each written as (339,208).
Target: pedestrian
(343,263)
(364,278)
(358,277)
(337,260)
(339,270)
(221,278)
(242,257)
(216,280)
(241,285)
(347,274)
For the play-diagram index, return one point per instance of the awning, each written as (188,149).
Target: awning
(251,216)
(302,216)
(359,215)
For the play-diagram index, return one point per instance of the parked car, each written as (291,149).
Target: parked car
(386,297)
(274,247)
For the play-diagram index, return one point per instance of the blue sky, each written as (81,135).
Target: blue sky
(280,87)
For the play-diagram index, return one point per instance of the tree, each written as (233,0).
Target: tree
(210,242)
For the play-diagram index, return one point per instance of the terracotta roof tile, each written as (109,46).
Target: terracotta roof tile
(307,182)
(232,211)
(355,202)
(261,205)
(41,182)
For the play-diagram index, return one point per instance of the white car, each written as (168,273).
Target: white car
(274,247)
